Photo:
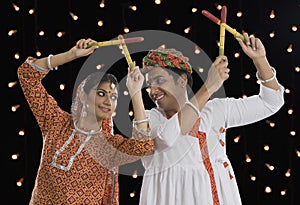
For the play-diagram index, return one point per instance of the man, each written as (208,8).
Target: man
(190,165)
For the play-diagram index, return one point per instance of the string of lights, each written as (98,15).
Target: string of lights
(265,155)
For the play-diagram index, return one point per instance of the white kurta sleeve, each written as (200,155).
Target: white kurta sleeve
(248,110)
(273,99)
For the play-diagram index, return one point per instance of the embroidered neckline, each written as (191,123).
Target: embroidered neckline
(70,163)
(91,132)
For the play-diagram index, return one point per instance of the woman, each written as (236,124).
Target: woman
(80,153)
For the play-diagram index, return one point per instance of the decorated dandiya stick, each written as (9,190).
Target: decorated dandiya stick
(222,30)
(117,42)
(218,21)
(126,52)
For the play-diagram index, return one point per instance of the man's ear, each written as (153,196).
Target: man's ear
(183,79)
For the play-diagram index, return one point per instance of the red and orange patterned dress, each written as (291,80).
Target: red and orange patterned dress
(89,179)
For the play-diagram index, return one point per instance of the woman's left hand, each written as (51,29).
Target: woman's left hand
(81,48)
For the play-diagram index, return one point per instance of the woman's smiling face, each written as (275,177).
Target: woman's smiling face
(102,100)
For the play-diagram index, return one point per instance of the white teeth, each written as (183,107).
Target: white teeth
(156,98)
(160,97)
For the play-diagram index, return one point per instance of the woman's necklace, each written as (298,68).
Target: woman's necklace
(87,133)
(91,132)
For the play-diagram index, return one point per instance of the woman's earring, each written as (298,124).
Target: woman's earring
(84,110)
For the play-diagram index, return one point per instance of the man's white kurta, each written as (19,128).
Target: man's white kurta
(194,169)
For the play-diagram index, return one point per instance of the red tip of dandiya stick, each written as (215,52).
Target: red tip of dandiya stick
(134,40)
(120,37)
(223,14)
(211,16)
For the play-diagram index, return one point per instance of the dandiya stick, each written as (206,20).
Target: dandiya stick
(117,42)
(222,30)
(218,21)
(126,52)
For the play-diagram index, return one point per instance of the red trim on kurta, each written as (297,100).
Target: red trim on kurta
(222,130)
(205,156)
(222,142)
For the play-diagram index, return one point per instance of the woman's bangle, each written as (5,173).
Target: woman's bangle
(144,132)
(49,63)
(193,107)
(136,122)
(268,80)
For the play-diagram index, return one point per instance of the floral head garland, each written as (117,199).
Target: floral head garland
(162,57)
